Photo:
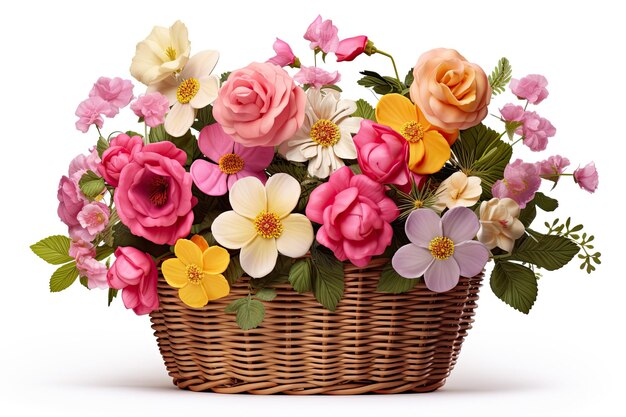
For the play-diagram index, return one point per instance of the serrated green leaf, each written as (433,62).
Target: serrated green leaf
(102,146)
(63,277)
(234,271)
(548,251)
(234,305)
(514,284)
(500,76)
(84,282)
(546,203)
(281,165)
(266,294)
(364,110)
(122,236)
(327,282)
(300,276)
(91,184)
(380,84)
(393,283)
(112,294)
(53,249)
(250,314)
(224,77)
(204,117)
(408,79)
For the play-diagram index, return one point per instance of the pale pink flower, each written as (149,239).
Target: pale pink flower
(152,107)
(95,271)
(532,88)
(536,131)
(93,218)
(551,168)
(82,163)
(116,91)
(284,55)
(512,113)
(587,177)
(90,112)
(316,77)
(81,249)
(323,35)
(521,182)
(71,201)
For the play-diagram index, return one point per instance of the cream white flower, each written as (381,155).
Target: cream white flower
(499,223)
(192,89)
(163,53)
(261,223)
(325,137)
(458,190)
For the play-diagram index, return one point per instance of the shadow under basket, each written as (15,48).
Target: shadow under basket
(373,343)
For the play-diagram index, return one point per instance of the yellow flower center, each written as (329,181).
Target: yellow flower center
(418,204)
(171,53)
(325,133)
(268,225)
(231,163)
(412,131)
(187,90)
(194,273)
(441,248)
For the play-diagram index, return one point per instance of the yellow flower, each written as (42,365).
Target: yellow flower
(429,145)
(197,271)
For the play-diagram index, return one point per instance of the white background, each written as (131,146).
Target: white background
(68,354)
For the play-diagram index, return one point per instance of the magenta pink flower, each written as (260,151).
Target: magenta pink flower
(116,91)
(119,154)
(284,55)
(231,161)
(260,105)
(71,201)
(442,250)
(350,48)
(90,112)
(135,273)
(512,113)
(95,271)
(536,131)
(153,197)
(551,168)
(316,77)
(355,215)
(521,182)
(92,218)
(587,177)
(323,35)
(382,154)
(152,107)
(532,88)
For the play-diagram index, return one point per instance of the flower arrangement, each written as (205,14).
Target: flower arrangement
(278,177)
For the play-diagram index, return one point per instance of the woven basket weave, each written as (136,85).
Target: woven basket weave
(373,343)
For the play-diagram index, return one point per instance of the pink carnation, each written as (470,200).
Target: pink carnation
(82,163)
(152,107)
(536,131)
(316,77)
(116,91)
(119,154)
(512,113)
(284,55)
(135,273)
(90,112)
(521,182)
(355,215)
(587,177)
(95,271)
(531,88)
(81,249)
(323,35)
(551,168)
(92,218)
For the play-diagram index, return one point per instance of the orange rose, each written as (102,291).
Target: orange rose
(452,93)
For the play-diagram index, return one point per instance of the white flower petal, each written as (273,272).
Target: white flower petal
(179,119)
(232,230)
(283,193)
(207,92)
(258,258)
(297,236)
(247,197)
(345,148)
(351,124)
(200,65)
(327,106)
(343,109)
(167,87)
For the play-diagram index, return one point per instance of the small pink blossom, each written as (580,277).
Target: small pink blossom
(350,48)
(82,163)
(532,88)
(135,273)
(116,91)
(90,112)
(152,107)
(512,113)
(536,130)
(95,271)
(521,182)
(587,177)
(81,249)
(284,55)
(551,168)
(323,35)
(71,201)
(316,77)
(92,218)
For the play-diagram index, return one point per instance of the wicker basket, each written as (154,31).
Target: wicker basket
(373,342)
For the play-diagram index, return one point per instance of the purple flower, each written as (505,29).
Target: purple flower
(441,249)
(587,177)
(532,88)
(536,131)
(521,182)
(512,113)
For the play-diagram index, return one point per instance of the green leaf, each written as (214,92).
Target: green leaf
(91,184)
(327,282)
(250,314)
(393,283)
(187,142)
(408,79)
(234,305)
(528,214)
(266,294)
(224,77)
(296,170)
(204,118)
(279,275)
(364,110)
(550,252)
(514,284)
(380,84)
(84,282)
(104,252)
(546,203)
(123,237)
(510,127)
(300,276)
(234,271)
(102,146)
(53,249)
(63,277)
(112,295)
(500,76)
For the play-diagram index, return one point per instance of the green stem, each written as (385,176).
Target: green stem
(99,133)
(393,62)
(504,256)
(513,144)
(145,134)
(315,57)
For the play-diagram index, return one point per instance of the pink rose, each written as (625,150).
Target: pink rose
(451,92)
(116,91)
(152,107)
(284,55)
(536,131)
(532,88)
(71,201)
(521,182)
(260,105)
(355,215)
(551,168)
(92,218)
(587,177)
(90,112)
(135,273)
(350,48)
(153,197)
(323,35)
(119,154)
(95,271)
(316,77)
(512,113)
(382,153)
